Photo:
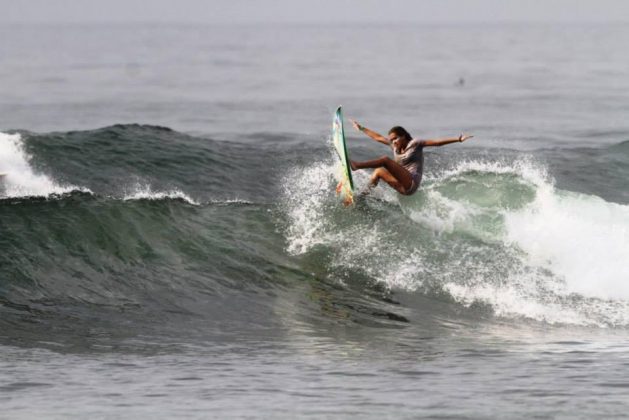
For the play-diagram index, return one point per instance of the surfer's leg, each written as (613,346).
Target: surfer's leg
(386,176)
(388,170)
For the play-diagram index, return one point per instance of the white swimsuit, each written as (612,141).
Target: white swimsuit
(412,159)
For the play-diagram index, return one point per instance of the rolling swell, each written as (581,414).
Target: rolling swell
(114,160)
(600,171)
(137,230)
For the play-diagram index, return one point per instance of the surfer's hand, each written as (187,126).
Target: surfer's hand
(462,137)
(356,125)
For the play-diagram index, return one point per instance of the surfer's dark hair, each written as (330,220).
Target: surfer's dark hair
(401,132)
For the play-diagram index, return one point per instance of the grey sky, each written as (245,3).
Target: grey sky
(301,11)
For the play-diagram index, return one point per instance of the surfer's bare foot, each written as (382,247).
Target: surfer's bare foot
(352,165)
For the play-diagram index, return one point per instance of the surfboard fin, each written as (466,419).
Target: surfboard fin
(339,187)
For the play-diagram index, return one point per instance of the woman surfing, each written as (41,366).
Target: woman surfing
(404,171)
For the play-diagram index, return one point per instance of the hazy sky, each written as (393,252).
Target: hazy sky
(301,11)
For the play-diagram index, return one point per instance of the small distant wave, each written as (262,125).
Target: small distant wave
(145,192)
(23,180)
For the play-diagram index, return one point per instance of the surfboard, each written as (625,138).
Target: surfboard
(345,187)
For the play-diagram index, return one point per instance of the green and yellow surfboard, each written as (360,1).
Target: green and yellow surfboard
(345,187)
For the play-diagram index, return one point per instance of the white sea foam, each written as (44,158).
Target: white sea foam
(21,179)
(306,191)
(141,191)
(525,167)
(509,301)
(441,213)
(581,238)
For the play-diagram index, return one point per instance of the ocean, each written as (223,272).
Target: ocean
(172,247)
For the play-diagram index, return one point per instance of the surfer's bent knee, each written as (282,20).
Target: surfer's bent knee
(379,172)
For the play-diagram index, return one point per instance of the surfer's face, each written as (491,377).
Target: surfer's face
(397,141)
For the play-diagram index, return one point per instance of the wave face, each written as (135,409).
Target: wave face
(128,228)
(138,229)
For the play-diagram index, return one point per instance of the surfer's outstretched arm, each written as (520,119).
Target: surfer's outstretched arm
(442,142)
(375,136)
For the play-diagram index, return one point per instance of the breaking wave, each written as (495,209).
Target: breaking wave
(498,234)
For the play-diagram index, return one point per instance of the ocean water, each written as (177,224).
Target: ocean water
(171,245)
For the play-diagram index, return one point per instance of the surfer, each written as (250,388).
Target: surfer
(404,172)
